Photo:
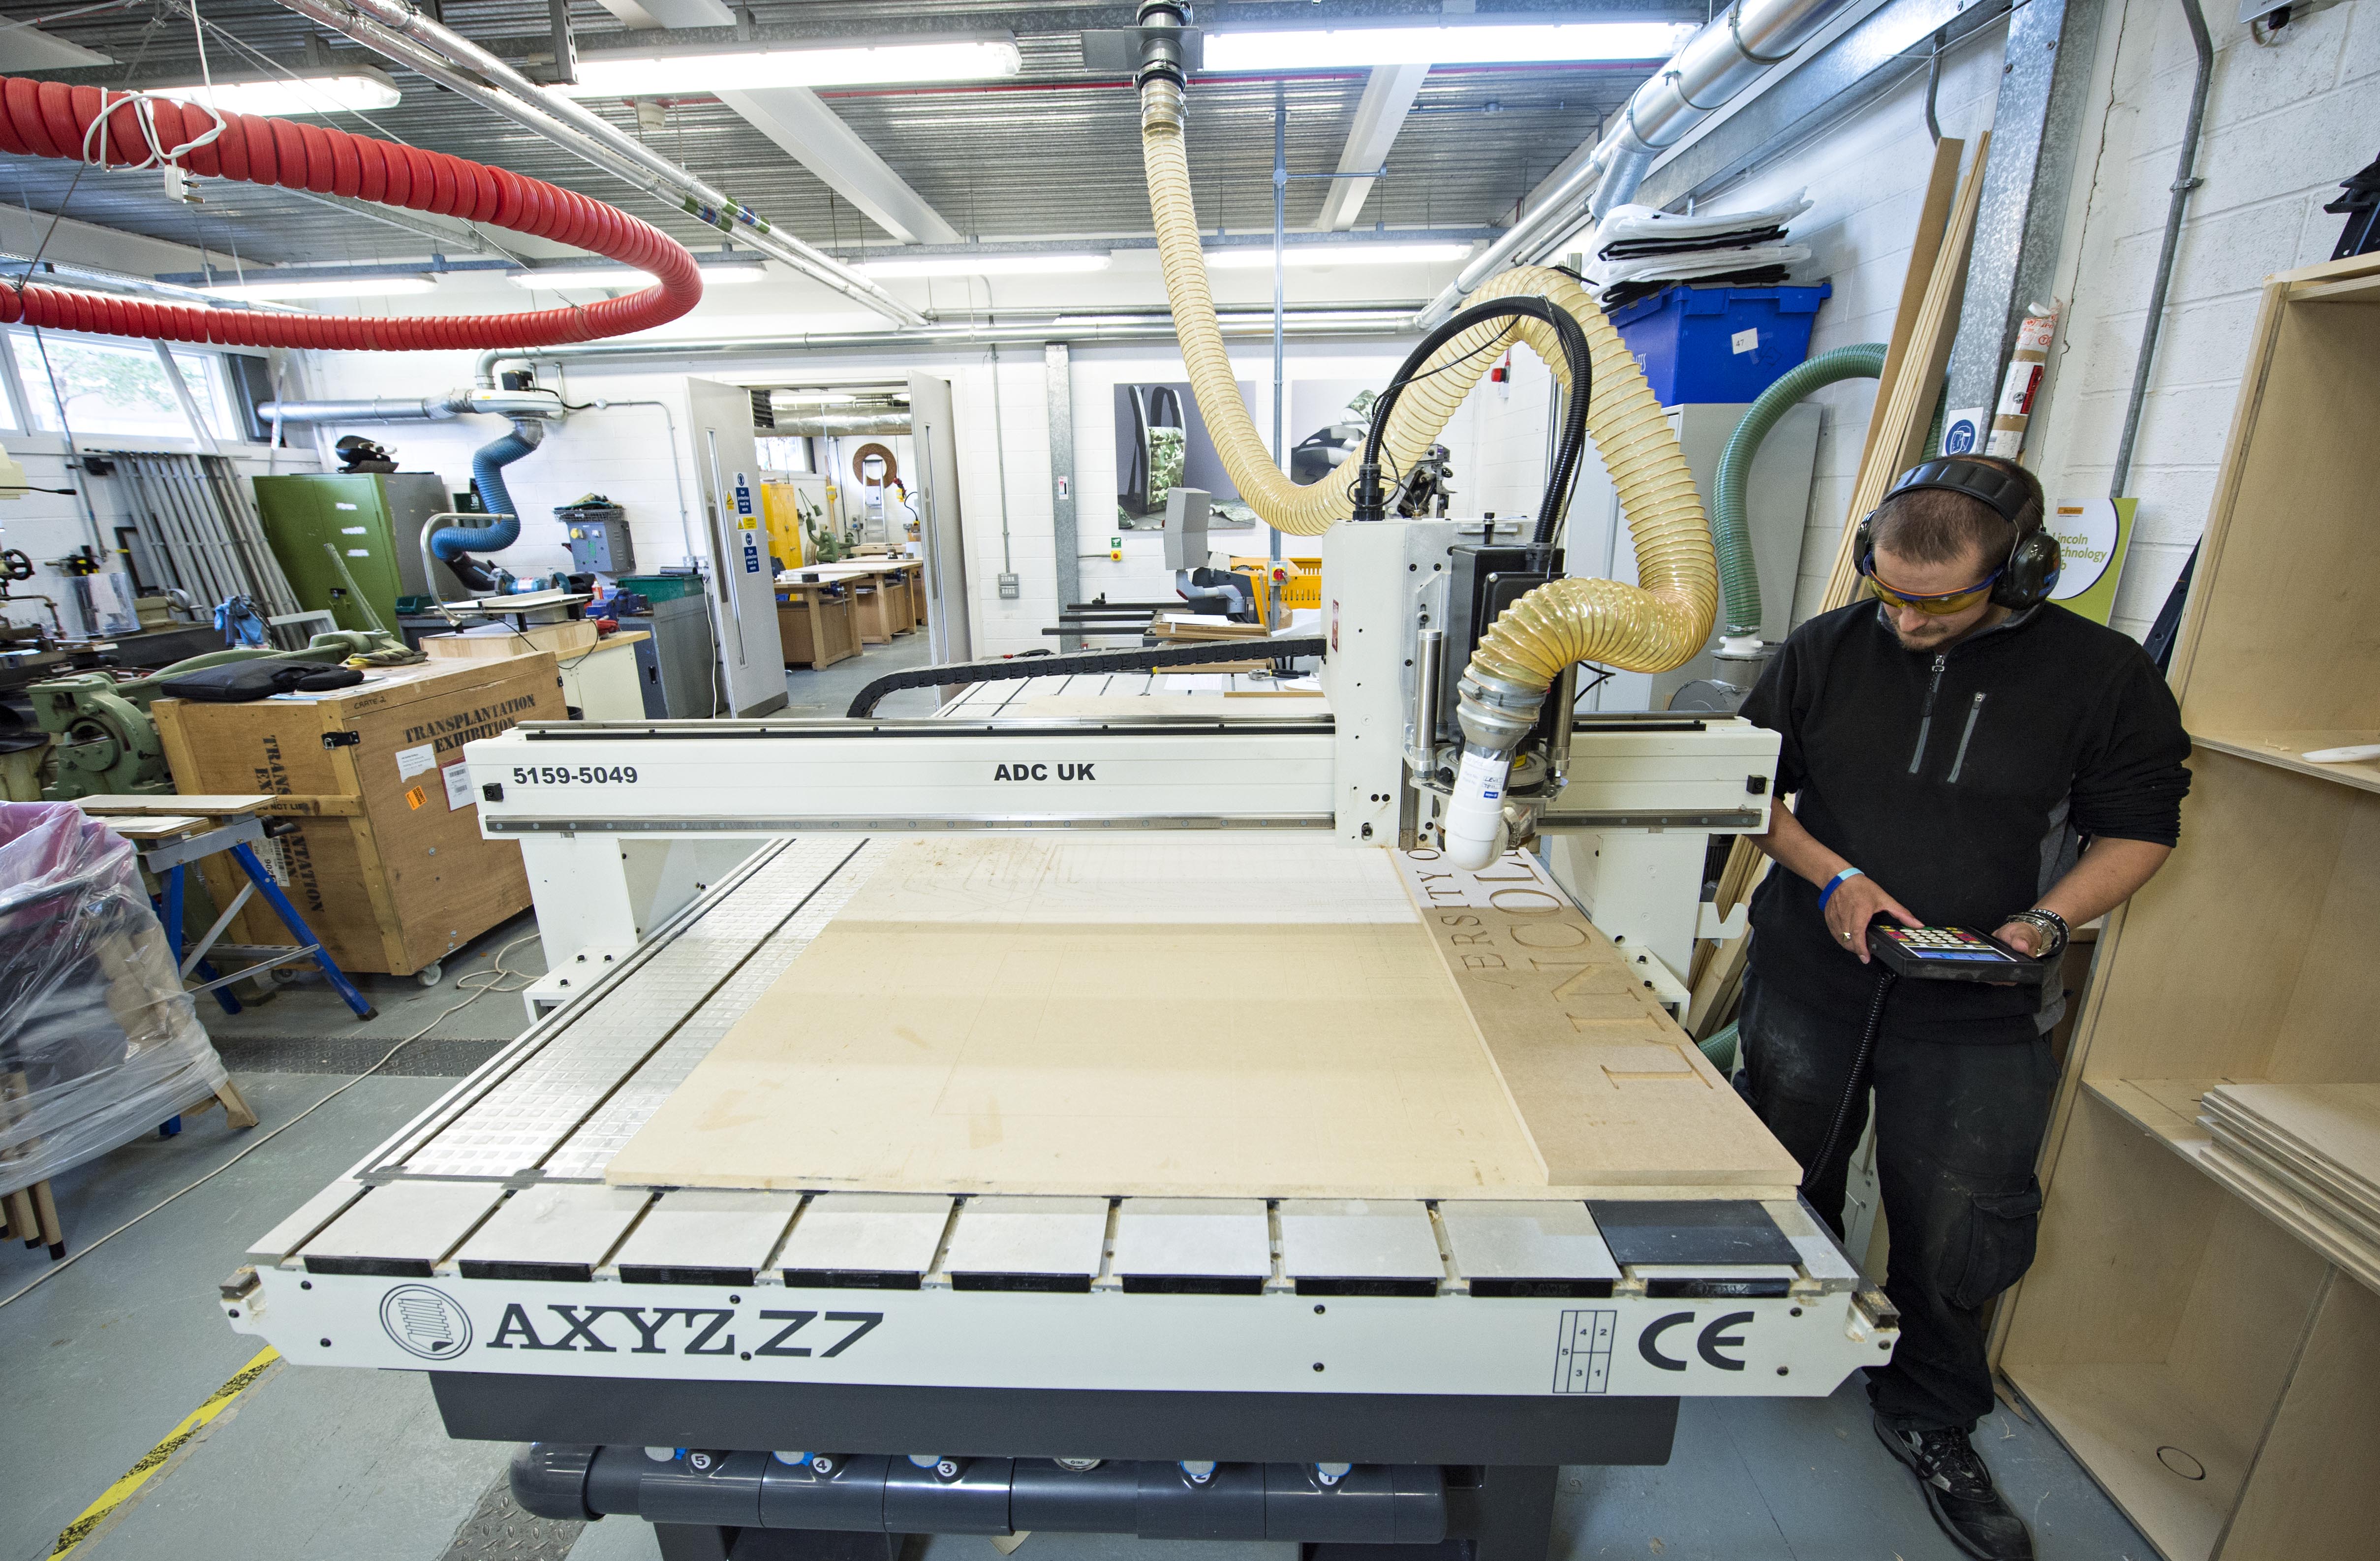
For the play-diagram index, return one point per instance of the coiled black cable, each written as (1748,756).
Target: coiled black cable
(1370,502)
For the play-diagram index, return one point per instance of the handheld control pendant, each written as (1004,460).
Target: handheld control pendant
(1953,954)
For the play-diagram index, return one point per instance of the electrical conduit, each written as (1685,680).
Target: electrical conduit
(124,130)
(1739,577)
(1652,627)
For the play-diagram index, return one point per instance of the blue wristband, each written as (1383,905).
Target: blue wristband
(1835,883)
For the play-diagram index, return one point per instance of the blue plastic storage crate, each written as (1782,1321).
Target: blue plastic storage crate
(1719,344)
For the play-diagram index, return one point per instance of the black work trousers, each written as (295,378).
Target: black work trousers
(1957,1131)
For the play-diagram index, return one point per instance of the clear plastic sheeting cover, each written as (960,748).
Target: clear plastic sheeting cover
(99,1043)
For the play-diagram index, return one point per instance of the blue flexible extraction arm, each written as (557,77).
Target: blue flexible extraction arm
(452,544)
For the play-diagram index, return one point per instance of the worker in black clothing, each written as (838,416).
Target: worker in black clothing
(1966,753)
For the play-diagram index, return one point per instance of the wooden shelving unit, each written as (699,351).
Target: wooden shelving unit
(2199,1348)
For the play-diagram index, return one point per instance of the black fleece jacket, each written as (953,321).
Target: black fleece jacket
(1962,783)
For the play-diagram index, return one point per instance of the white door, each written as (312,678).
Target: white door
(743,591)
(936,450)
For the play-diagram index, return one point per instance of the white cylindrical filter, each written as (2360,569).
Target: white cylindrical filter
(1474,827)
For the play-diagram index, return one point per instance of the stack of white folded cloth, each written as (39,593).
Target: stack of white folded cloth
(1639,250)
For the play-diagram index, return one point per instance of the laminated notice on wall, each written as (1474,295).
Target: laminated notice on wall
(411,762)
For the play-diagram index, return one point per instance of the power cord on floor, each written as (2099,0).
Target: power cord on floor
(477,983)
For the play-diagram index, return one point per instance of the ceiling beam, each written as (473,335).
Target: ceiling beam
(812,134)
(672,13)
(1386,97)
(815,136)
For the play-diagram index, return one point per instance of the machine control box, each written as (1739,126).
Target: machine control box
(598,541)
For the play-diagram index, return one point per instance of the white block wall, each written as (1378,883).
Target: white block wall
(1866,178)
(2286,121)
(1005,627)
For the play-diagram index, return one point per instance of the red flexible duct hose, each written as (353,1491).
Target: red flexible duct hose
(49,119)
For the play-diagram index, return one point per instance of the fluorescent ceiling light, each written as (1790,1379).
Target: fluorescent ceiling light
(359,88)
(623,75)
(325,287)
(983,265)
(1525,43)
(555,279)
(1259,257)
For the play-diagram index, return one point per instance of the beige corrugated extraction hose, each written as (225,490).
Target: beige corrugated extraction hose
(1654,626)
(1651,627)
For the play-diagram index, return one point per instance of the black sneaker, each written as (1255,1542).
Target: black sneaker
(1960,1491)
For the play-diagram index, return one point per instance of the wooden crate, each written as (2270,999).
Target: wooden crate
(817,623)
(2207,1361)
(389,873)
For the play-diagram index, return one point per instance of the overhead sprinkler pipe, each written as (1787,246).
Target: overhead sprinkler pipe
(1739,575)
(1729,54)
(112,129)
(397,30)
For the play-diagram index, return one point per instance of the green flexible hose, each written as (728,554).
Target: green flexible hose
(1739,577)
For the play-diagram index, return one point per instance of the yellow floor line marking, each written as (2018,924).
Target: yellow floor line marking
(155,1458)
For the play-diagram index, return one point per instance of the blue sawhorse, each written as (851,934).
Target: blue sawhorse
(170,859)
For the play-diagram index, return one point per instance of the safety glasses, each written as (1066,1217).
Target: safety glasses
(1939,605)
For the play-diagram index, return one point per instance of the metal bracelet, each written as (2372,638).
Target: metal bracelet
(2053,927)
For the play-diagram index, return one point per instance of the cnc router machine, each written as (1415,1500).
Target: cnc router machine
(1120,1123)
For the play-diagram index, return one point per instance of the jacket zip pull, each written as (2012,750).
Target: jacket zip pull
(1925,716)
(1975,711)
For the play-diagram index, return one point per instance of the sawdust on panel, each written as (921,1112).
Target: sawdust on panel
(1117,1017)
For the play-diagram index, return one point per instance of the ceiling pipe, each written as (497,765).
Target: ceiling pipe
(835,425)
(1736,49)
(98,277)
(516,404)
(1334,326)
(394,30)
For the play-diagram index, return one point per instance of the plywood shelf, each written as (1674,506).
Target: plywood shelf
(2288,750)
(2143,1437)
(2166,1108)
(2196,1332)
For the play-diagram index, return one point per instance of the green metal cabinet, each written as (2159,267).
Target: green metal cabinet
(374,520)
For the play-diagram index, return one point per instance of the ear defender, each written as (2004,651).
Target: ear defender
(2030,571)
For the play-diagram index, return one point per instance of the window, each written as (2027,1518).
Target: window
(211,393)
(87,387)
(783,453)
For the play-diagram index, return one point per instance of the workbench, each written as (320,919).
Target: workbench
(883,586)
(816,621)
(599,681)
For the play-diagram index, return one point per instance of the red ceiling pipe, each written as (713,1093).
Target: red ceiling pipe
(50,119)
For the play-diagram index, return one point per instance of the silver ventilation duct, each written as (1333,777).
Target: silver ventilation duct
(1716,64)
(542,405)
(1157,327)
(823,424)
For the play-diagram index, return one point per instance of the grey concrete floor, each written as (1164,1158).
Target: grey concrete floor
(108,1354)
(105,1358)
(829,691)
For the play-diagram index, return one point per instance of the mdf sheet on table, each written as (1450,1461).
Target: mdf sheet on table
(1203,1018)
